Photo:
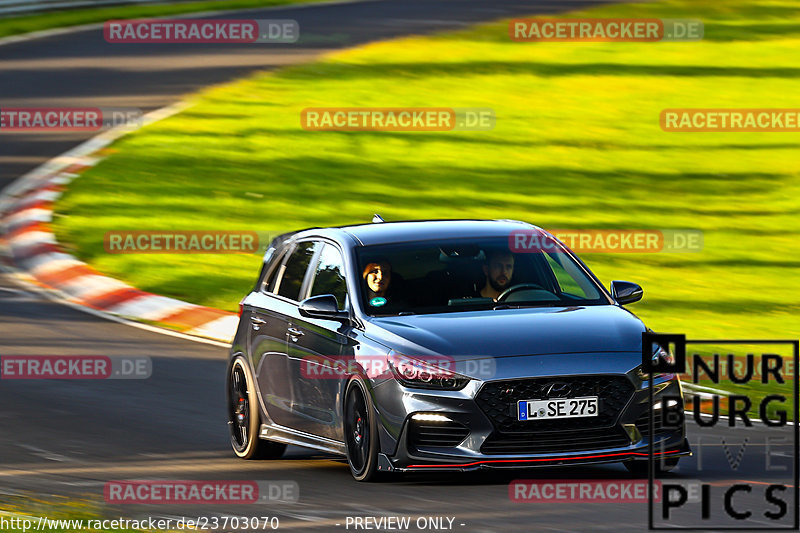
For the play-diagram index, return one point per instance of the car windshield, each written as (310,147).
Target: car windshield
(468,274)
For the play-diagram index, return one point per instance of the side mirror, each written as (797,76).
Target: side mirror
(323,306)
(626,292)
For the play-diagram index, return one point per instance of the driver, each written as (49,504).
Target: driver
(498,269)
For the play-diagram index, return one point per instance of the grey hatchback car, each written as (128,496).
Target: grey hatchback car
(440,345)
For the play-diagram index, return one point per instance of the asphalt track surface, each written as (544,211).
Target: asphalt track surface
(67,438)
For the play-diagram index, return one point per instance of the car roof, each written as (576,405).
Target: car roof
(417,230)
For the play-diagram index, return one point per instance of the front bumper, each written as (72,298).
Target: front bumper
(410,463)
(625,438)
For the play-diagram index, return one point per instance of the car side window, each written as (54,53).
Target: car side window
(294,271)
(329,276)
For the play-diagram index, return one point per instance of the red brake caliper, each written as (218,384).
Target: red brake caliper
(239,414)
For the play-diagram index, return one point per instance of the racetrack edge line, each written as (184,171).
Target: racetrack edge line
(22,206)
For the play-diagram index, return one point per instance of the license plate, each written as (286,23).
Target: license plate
(557,408)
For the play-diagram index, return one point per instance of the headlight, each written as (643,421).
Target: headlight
(659,354)
(424,375)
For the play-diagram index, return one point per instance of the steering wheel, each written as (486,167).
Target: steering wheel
(516,288)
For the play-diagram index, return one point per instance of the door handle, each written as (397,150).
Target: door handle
(257,322)
(294,332)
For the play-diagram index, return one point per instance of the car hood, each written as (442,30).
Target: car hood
(508,332)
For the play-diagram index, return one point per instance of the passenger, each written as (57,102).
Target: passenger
(381,291)
(378,275)
(498,269)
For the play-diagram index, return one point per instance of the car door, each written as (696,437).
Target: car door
(276,303)
(316,350)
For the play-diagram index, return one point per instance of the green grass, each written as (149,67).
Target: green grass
(76,514)
(74,17)
(577,145)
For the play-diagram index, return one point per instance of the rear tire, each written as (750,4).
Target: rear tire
(360,432)
(244,420)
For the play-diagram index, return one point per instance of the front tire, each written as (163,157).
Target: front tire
(244,420)
(361,432)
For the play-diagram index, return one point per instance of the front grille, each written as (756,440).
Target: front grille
(423,433)
(556,441)
(498,400)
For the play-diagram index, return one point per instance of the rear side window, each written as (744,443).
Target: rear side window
(295,270)
(329,277)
